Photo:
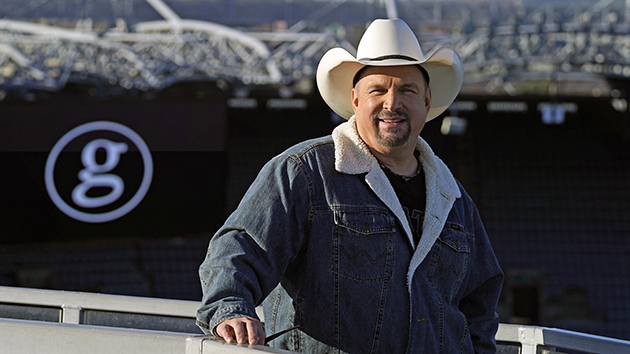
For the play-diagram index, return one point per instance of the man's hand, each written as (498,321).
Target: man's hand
(244,330)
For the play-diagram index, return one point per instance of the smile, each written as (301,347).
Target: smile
(389,122)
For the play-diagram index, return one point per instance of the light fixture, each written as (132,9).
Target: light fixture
(454,126)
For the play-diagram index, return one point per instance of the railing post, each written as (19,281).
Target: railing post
(530,338)
(71,314)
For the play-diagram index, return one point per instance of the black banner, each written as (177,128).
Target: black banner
(75,170)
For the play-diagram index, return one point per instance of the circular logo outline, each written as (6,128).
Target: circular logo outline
(116,213)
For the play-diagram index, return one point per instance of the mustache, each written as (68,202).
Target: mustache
(390,114)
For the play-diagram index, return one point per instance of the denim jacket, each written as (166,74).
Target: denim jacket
(322,242)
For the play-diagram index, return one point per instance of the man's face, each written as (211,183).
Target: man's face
(391,105)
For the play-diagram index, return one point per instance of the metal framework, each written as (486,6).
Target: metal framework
(549,48)
(59,322)
(155,55)
(509,47)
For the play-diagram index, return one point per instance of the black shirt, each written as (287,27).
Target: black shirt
(411,193)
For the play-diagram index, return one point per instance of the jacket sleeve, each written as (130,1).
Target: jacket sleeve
(482,294)
(249,254)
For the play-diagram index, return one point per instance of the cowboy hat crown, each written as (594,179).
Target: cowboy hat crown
(388,43)
(394,39)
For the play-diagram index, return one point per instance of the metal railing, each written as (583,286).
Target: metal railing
(534,340)
(33,320)
(64,322)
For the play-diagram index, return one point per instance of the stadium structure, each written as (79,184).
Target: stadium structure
(206,91)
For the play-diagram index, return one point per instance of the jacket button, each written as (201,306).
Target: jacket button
(366,225)
(422,319)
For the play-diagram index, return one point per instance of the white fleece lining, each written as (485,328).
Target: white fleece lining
(352,156)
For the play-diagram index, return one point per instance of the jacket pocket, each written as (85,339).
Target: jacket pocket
(449,259)
(363,243)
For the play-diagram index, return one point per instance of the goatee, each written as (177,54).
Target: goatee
(397,136)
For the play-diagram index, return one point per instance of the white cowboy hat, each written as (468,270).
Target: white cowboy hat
(388,43)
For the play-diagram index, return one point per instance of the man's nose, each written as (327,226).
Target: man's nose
(391,101)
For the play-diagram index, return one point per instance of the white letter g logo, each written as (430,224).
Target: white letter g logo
(94,175)
(98,175)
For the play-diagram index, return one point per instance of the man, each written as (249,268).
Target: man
(360,242)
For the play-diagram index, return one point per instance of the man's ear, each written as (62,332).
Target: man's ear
(355,99)
(427,98)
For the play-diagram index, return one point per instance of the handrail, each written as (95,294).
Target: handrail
(21,336)
(531,338)
(73,304)
(70,303)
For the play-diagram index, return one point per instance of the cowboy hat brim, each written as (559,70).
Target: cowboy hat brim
(337,68)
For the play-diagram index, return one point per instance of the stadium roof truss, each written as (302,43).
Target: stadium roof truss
(564,48)
(557,48)
(155,55)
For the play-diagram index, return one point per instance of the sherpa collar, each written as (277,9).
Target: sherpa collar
(352,156)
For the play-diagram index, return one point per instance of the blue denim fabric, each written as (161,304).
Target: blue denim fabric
(318,248)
